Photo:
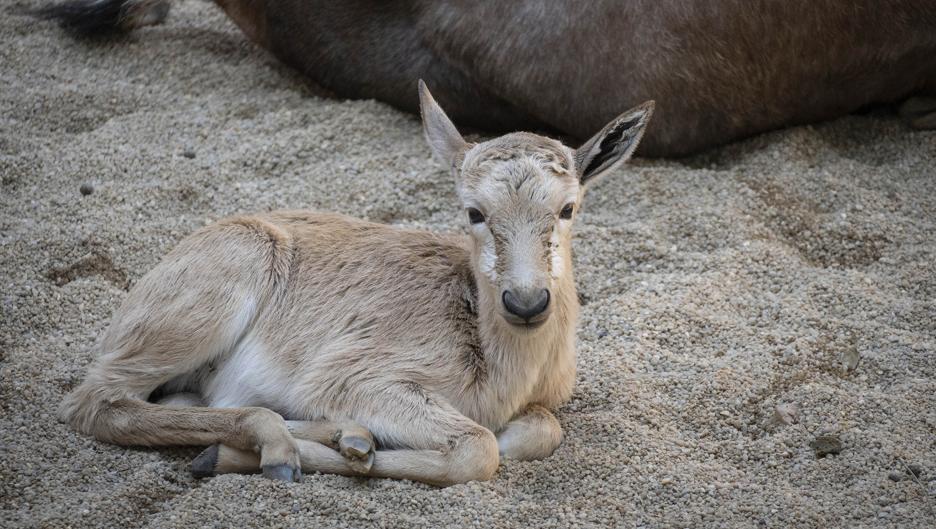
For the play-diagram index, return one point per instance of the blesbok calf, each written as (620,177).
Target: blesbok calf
(719,70)
(444,351)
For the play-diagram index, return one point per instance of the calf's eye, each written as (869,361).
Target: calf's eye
(566,212)
(475,216)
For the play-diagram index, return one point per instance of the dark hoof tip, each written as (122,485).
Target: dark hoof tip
(203,466)
(282,473)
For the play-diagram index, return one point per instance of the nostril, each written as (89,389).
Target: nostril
(510,303)
(543,302)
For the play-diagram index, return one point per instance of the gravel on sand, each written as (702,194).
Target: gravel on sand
(796,269)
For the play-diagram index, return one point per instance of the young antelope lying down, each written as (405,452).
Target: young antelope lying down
(442,352)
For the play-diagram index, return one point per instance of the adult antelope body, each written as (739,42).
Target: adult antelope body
(719,70)
(443,351)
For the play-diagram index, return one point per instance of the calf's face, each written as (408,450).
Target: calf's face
(521,193)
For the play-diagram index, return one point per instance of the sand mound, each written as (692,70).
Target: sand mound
(718,288)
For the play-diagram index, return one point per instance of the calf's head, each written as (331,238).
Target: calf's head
(521,193)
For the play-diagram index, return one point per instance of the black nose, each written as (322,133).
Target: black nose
(526,305)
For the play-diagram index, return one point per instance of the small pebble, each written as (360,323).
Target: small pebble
(895,476)
(188,153)
(86,189)
(826,444)
(786,414)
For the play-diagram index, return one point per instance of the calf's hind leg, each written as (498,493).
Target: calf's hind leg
(350,439)
(114,413)
(135,422)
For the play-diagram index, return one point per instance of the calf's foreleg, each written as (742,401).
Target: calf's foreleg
(533,434)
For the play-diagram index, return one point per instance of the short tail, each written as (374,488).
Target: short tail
(88,18)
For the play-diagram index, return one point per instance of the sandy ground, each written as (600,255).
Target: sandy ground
(718,288)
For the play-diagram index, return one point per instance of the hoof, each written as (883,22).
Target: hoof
(354,446)
(362,466)
(203,466)
(358,451)
(282,473)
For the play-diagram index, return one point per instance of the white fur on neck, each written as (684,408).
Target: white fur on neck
(525,367)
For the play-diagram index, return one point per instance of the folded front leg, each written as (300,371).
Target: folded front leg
(354,442)
(533,434)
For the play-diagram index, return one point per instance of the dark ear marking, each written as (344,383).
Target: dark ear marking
(611,144)
(614,144)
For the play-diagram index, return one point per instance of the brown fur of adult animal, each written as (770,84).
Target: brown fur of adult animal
(444,351)
(719,71)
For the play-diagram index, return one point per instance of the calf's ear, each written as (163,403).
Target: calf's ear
(444,140)
(614,145)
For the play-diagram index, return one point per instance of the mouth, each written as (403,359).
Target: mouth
(526,324)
